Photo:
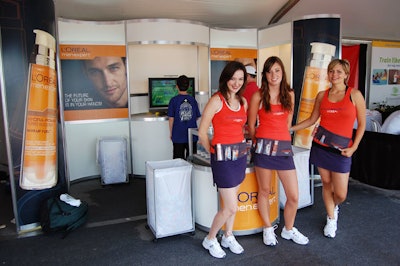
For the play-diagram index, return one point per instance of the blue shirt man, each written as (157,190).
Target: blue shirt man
(183,112)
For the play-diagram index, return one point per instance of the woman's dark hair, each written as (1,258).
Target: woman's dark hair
(227,73)
(284,95)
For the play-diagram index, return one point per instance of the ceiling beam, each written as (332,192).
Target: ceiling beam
(281,12)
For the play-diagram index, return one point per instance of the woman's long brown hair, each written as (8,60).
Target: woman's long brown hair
(284,95)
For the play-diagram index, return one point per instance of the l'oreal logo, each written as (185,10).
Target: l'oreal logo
(331,111)
(278,113)
(244,196)
(39,78)
(68,49)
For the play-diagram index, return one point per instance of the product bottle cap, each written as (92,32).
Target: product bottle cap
(45,39)
(46,45)
(322,54)
(323,48)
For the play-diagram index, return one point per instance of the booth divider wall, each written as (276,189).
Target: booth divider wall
(161,48)
(87,116)
(280,45)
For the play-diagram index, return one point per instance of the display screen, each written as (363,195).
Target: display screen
(161,90)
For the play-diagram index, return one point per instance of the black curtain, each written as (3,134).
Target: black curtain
(362,68)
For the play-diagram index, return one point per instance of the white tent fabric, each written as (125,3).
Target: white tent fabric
(392,124)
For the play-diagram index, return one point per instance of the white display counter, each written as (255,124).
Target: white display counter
(150,140)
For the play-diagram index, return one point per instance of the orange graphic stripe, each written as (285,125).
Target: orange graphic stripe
(230,54)
(74,115)
(81,51)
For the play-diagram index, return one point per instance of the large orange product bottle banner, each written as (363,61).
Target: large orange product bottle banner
(40,152)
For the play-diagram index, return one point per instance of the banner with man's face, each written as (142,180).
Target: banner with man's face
(94,82)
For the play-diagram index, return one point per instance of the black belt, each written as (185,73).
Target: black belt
(273,147)
(326,148)
(230,152)
(331,139)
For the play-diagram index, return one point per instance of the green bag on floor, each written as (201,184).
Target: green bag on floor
(59,216)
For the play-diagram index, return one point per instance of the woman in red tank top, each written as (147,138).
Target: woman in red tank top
(273,105)
(227,111)
(333,146)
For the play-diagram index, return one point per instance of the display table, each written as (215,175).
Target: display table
(206,201)
(150,140)
(375,162)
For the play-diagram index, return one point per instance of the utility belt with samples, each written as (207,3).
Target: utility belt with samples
(333,140)
(230,152)
(273,147)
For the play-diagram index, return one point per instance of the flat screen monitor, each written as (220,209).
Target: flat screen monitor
(161,90)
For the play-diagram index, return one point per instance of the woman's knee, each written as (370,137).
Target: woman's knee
(292,199)
(340,197)
(229,211)
(263,191)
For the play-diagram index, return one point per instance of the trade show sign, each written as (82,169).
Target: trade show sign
(19,21)
(94,81)
(385,74)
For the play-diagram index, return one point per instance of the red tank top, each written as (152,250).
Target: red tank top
(338,117)
(228,124)
(273,124)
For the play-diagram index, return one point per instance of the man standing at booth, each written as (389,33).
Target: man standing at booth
(183,112)
(251,86)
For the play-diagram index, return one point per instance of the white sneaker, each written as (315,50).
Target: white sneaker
(213,248)
(231,243)
(330,227)
(294,235)
(269,236)
(336,212)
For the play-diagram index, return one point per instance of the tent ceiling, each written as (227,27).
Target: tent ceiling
(361,19)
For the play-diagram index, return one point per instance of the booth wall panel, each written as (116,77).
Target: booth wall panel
(160,61)
(81,141)
(276,35)
(82,32)
(166,31)
(221,38)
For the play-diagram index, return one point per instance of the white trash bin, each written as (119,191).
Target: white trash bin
(169,199)
(112,158)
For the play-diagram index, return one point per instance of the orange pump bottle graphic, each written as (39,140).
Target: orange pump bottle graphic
(315,80)
(39,166)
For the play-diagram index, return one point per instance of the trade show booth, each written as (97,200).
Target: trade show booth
(159,50)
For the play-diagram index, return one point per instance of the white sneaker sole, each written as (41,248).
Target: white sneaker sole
(284,236)
(233,251)
(330,235)
(209,251)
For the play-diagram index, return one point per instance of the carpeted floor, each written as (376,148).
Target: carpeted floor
(117,234)
(111,202)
